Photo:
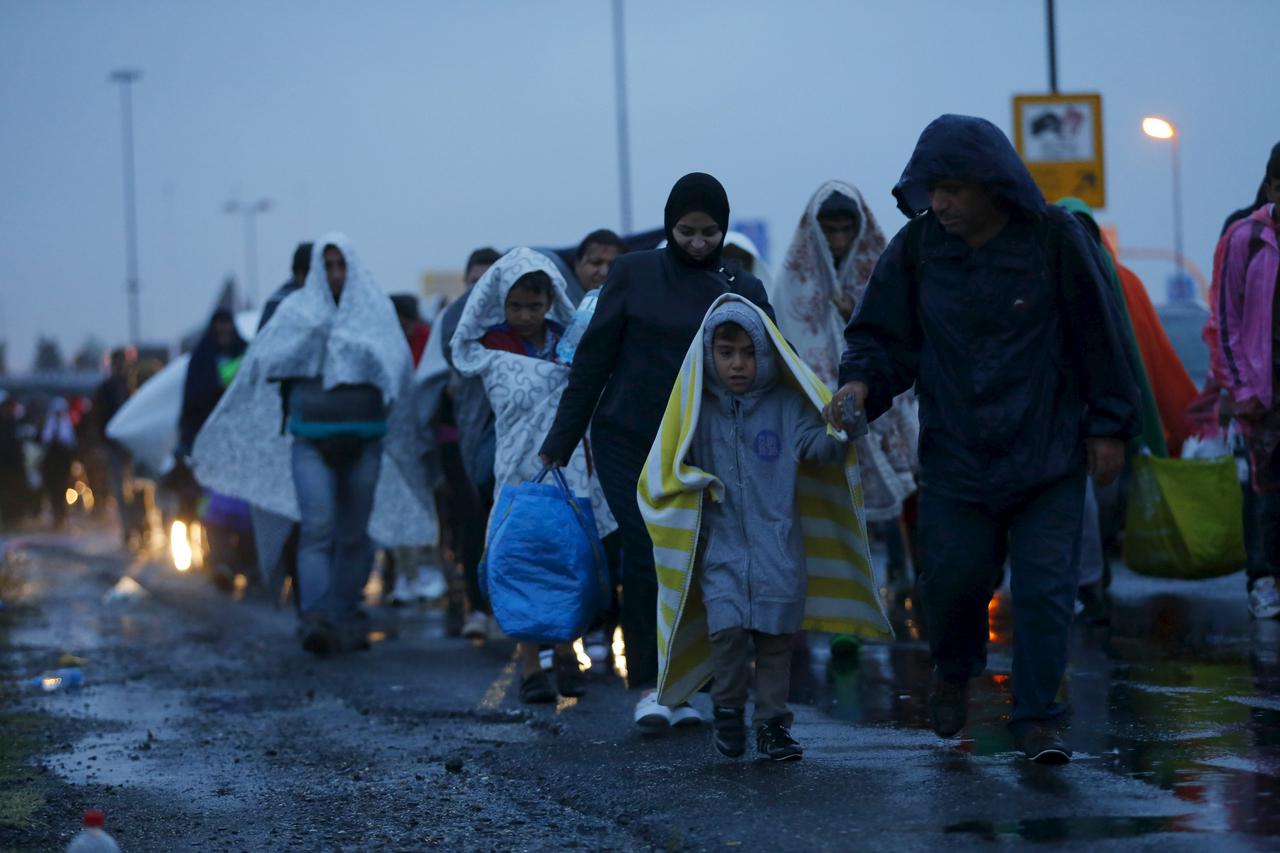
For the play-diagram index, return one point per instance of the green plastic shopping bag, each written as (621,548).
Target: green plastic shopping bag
(1185,518)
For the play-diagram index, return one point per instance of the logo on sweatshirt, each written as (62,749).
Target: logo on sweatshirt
(768,445)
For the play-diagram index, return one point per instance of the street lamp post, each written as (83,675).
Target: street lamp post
(126,77)
(250,213)
(1160,128)
(624,131)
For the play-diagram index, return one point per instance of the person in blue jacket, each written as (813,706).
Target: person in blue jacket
(992,304)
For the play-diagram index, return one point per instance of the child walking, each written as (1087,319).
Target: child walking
(763,452)
(507,336)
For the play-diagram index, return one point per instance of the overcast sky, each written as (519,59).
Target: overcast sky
(424,129)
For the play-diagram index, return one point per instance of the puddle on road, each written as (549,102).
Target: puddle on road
(1181,693)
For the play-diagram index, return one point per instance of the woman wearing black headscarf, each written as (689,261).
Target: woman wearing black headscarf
(650,309)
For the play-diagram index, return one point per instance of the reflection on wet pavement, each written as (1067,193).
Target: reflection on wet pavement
(1181,692)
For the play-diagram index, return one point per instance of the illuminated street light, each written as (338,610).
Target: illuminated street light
(1158,128)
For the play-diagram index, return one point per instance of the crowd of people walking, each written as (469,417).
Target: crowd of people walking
(968,391)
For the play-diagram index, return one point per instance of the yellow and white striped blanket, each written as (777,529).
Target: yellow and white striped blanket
(842,595)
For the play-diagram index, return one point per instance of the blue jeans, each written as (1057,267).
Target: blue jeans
(962,547)
(335,498)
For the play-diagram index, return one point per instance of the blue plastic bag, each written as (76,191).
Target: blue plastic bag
(544,568)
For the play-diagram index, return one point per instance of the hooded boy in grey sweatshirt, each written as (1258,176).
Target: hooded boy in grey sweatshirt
(752,434)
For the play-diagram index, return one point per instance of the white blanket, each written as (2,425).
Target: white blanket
(242,451)
(524,392)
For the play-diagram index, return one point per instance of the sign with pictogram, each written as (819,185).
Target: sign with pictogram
(1059,137)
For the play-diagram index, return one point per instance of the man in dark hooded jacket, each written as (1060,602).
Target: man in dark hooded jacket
(992,303)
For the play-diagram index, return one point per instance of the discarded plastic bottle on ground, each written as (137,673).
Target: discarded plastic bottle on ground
(93,838)
(67,678)
(568,345)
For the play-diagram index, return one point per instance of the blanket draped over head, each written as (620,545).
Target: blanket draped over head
(804,299)
(243,451)
(523,391)
(842,595)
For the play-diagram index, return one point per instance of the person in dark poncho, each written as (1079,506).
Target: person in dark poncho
(212,367)
(649,312)
(992,303)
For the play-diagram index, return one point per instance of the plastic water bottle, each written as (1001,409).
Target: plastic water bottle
(93,838)
(68,678)
(568,345)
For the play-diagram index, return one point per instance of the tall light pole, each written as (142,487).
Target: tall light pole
(624,132)
(250,211)
(126,77)
(1161,128)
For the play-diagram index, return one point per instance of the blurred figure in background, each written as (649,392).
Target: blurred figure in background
(411,573)
(58,438)
(213,366)
(114,391)
(463,424)
(13,472)
(299,269)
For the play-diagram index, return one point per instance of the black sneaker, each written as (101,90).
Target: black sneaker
(570,680)
(948,706)
(318,636)
(729,731)
(774,741)
(537,689)
(1043,745)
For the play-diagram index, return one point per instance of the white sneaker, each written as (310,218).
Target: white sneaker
(1264,599)
(430,585)
(402,593)
(651,716)
(685,716)
(476,627)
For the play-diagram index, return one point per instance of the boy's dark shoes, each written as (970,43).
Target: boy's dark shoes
(570,680)
(948,706)
(537,688)
(318,636)
(729,731)
(1043,745)
(774,741)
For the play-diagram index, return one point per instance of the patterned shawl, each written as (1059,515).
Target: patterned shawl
(804,299)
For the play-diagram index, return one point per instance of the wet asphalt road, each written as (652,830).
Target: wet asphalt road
(202,725)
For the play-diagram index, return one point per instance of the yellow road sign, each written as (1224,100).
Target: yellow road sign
(1059,137)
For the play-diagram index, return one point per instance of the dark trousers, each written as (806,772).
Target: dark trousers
(962,549)
(732,652)
(471,519)
(618,464)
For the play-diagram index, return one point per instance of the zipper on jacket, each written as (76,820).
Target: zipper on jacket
(739,437)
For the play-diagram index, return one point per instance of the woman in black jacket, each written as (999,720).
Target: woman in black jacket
(650,309)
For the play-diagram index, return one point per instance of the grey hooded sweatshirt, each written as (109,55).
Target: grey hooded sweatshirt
(752,570)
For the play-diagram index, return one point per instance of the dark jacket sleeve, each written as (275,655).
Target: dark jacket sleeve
(1094,346)
(882,340)
(592,366)
(754,290)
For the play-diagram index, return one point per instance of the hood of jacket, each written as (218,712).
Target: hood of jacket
(766,359)
(966,148)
